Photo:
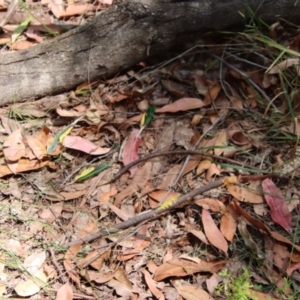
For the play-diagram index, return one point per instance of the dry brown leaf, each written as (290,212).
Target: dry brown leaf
(15,247)
(135,250)
(138,182)
(221,142)
(212,171)
(236,103)
(65,292)
(211,204)
(50,215)
(20,45)
(201,84)
(72,10)
(9,125)
(100,277)
(152,286)
(34,262)
(164,142)
(228,226)
(172,174)
(244,195)
(181,267)
(212,232)
(238,137)
(258,224)
(72,195)
(68,113)
(94,259)
(281,255)
(104,197)
(212,94)
(277,236)
(200,235)
(121,289)
(23,165)
(192,292)
(14,147)
(121,213)
(121,276)
(283,65)
(27,288)
(292,267)
(37,147)
(212,282)
(69,267)
(203,166)
(182,104)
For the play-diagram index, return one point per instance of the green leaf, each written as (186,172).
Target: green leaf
(61,135)
(149,115)
(59,138)
(89,172)
(20,29)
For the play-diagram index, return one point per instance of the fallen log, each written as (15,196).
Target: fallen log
(119,38)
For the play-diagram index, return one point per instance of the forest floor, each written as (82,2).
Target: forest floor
(186,168)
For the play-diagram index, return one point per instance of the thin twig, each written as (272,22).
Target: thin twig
(55,263)
(182,152)
(246,77)
(148,215)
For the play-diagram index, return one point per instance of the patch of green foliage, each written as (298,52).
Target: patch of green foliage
(235,288)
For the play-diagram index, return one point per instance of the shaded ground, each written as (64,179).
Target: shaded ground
(235,100)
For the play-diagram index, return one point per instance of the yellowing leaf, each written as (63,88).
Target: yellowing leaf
(169,201)
(143,118)
(65,133)
(85,172)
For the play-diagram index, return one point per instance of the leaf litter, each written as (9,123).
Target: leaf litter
(61,154)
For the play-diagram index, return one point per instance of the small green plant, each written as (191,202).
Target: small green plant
(235,288)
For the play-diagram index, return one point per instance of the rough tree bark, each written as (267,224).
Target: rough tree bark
(119,38)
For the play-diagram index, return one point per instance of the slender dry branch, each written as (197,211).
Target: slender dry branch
(146,216)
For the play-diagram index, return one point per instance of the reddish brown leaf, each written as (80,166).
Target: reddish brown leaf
(130,150)
(258,224)
(213,234)
(84,145)
(279,211)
